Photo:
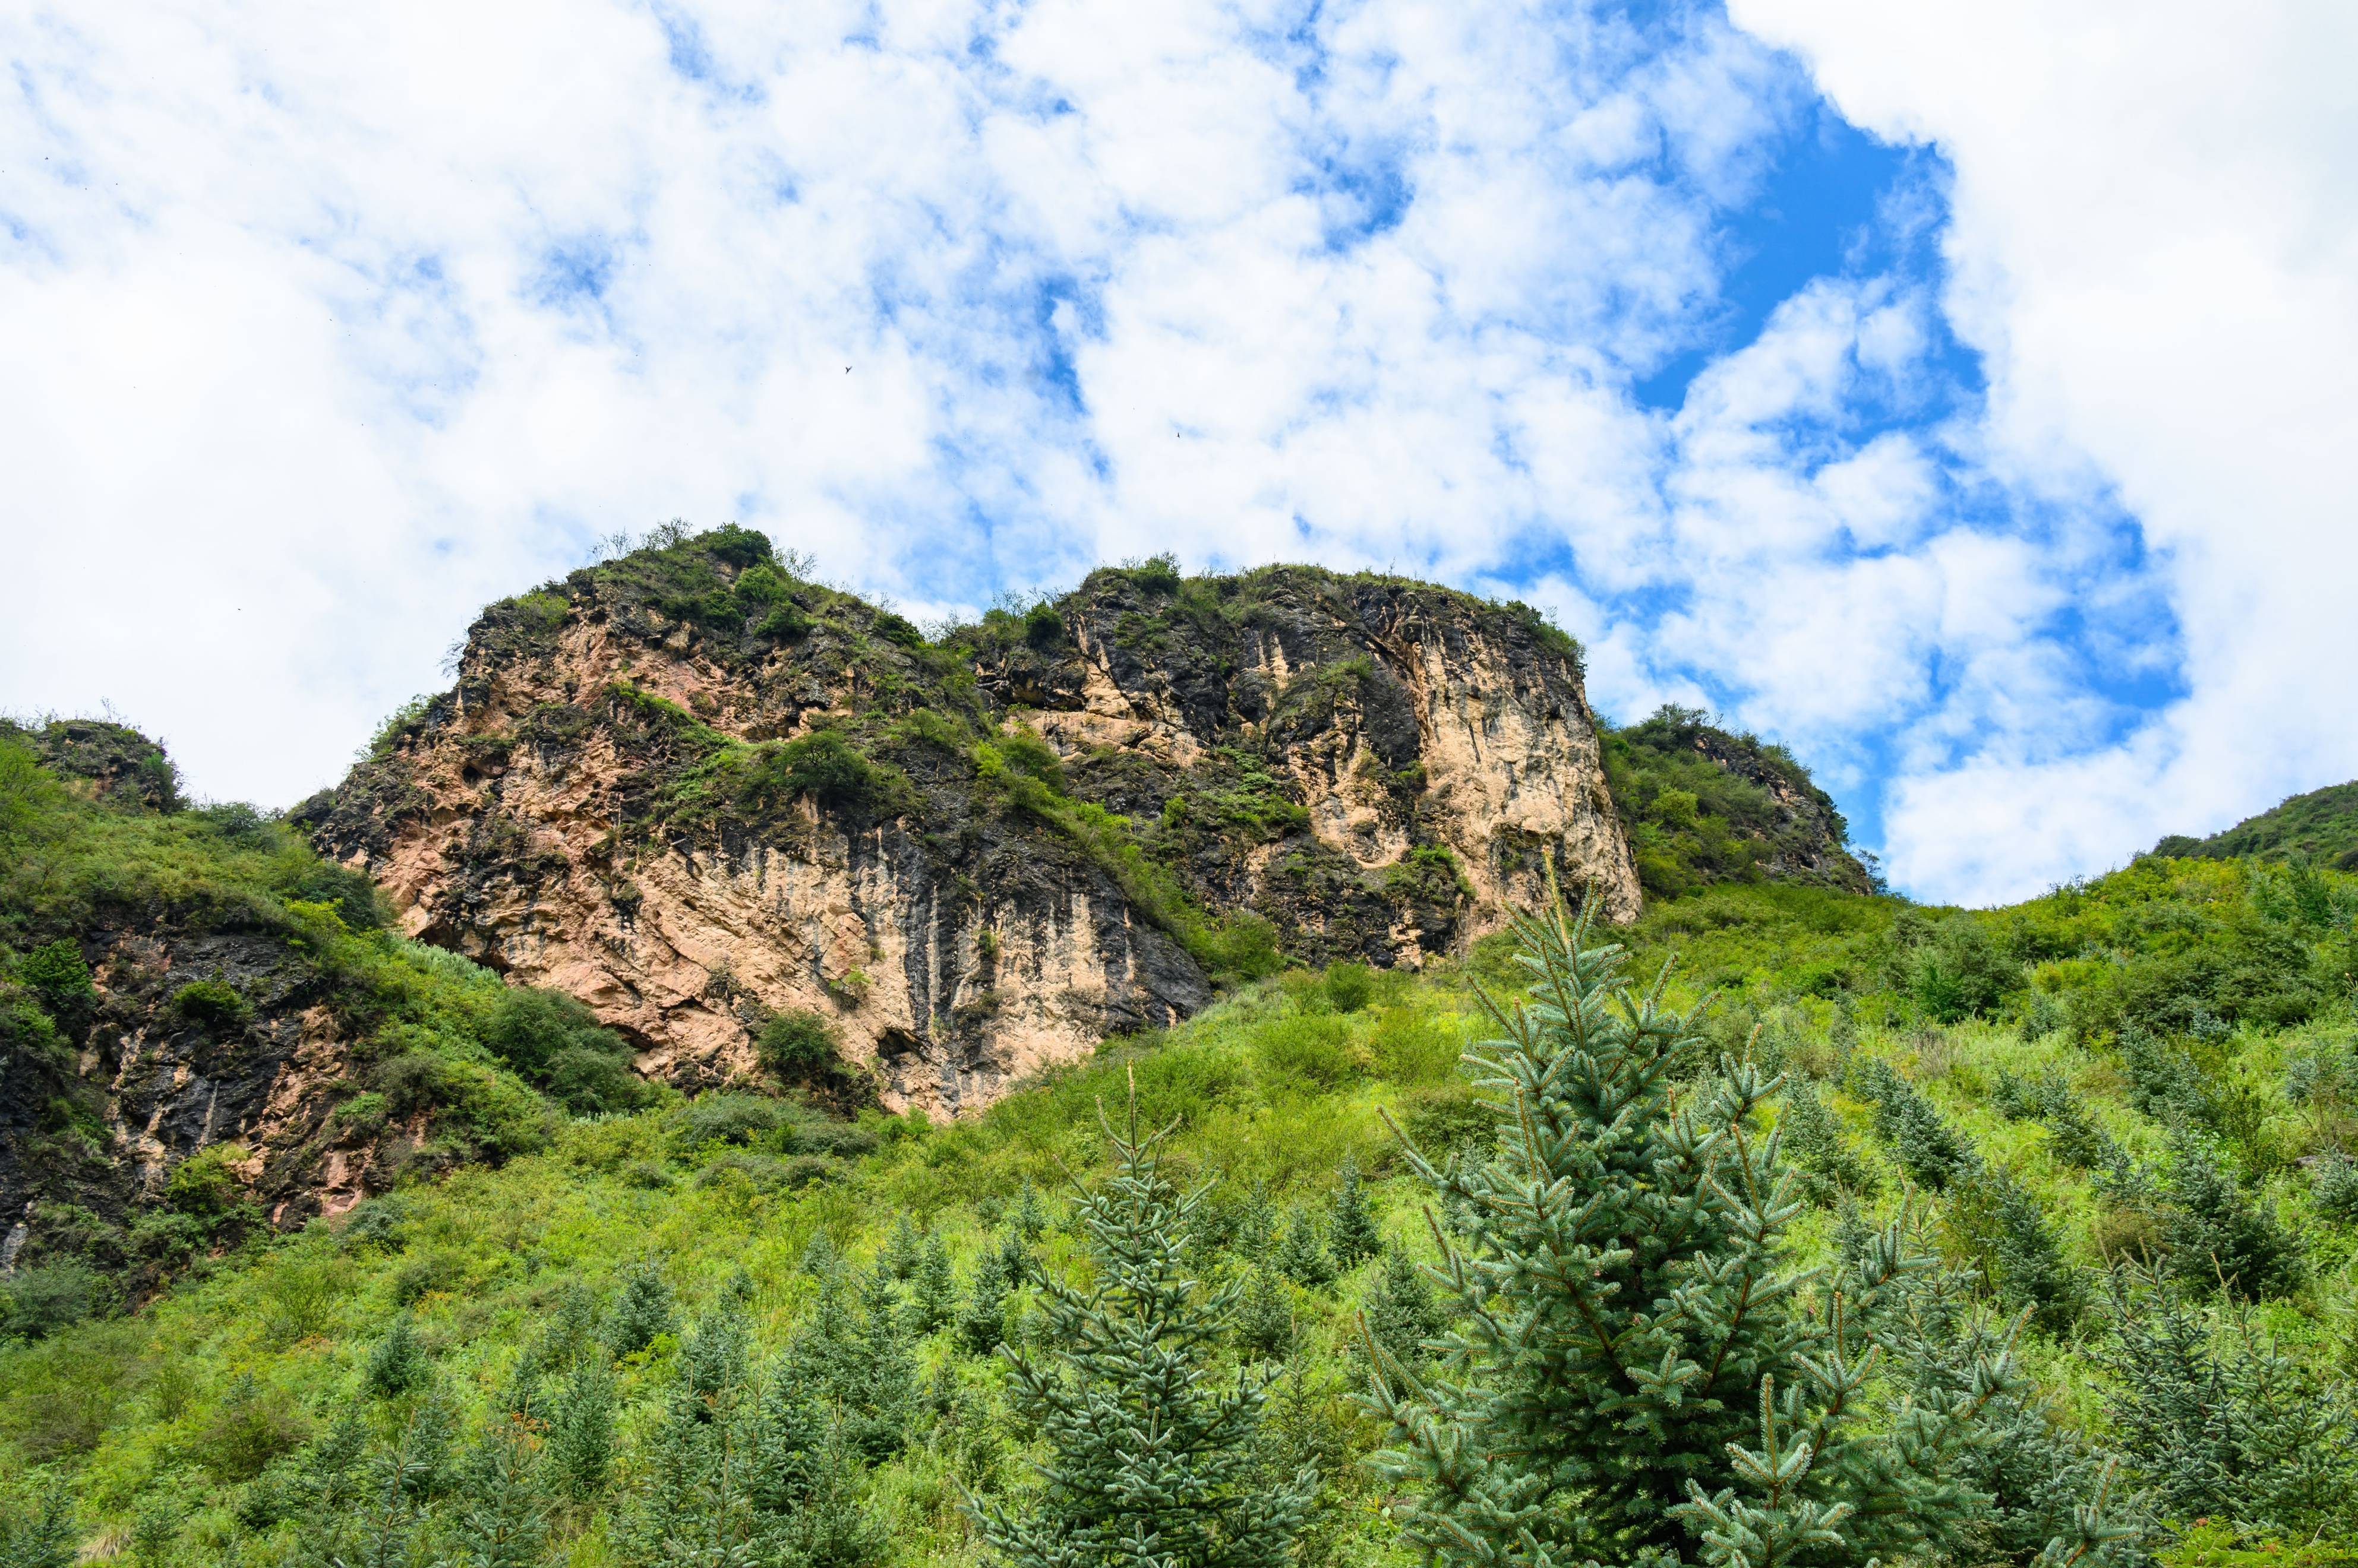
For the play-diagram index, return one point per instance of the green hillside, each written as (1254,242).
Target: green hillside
(2127,1109)
(2321,826)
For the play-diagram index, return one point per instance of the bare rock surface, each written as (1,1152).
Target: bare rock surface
(696,790)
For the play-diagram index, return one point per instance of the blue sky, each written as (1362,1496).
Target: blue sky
(1942,396)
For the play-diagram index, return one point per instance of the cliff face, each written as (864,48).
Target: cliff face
(176,982)
(695,792)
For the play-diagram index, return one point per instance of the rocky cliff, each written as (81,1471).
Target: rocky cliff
(697,791)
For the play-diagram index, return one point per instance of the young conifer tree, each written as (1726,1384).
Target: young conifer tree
(1351,1232)
(1148,1461)
(1639,1375)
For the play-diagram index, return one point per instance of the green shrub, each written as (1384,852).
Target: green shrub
(1042,628)
(252,1426)
(1349,987)
(898,630)
(798,1046)
(1307,1051)
(55,973)
(204,1183)
(728,1118)
(39,1299)
(214,1005)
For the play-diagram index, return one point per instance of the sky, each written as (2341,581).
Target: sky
(1961,395)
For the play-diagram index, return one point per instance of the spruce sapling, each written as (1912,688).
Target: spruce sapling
(1637,1373)
(580,1442)
(1351,1232)
(1148,1461)
(501,1515)
(398,1363)
(1264,1321)
(982,1320)
(641,1311)
(1399,1314)
(1302,1256)
(932,1287)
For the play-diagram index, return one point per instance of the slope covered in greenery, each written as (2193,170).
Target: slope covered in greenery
(2127,1109)
(2321,826)
(1702,805)
(205,1029)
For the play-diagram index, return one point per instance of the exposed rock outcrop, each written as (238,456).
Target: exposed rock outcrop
(694,791)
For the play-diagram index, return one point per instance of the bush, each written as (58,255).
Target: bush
(728,1118)
(56,974)
(1042,628)
(43,1298)
(1308,1050)
(252,1426)
(798,1046)
(1349,987)
(821,765)
(212,1006)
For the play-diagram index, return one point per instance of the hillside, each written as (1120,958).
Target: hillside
(2321,826)
(697,791)
(2154,1066)
(1702,806)
(206,1032)
(558,1169)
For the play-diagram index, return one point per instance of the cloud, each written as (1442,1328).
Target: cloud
(341,323)
(2153,245)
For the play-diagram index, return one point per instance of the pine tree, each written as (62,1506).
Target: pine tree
(642,1311)
(1148,1464)
(1300,1256)
(2217,1236)
(1815,1138)
(1637,1374)
(1351,1232)
(2217,1421)
(42,1537)
(904,1249)
(1031,1216)
(398,1364)
(1264,1320)
(581,1442)
(852,1357)
(933,1288)
(717,1351)
(1255,1227)
(501,1515)
(982,1321)
(1400,1314)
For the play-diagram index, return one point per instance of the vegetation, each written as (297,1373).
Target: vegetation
(2320,827)
(2083,1223)
(1703,807)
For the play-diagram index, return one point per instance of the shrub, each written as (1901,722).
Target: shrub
(1349,987)
(728,1118)
(821,765)
(898,630)
(1307,1051)
(203,1185)
(1042,627)
(798,1046)
(529,1027)
(56,974)
(252,1426)
(39,1299)
(212,1006)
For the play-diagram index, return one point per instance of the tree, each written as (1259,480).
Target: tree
(640,1312)
(502,1517)
(982,1321)
(581,1442)
(1399,1314)
(1148,1463)
(1264,1319)
(1351,1232)
(1300,1256)
(933,1288)
(398,1363)
(1637,1374)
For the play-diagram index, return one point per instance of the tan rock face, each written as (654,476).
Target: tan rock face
(1039,833)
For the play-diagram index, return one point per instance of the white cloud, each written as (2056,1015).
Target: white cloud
(341,322)
(2155,245)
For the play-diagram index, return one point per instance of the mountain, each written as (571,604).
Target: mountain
(698,791)
(2321,826)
